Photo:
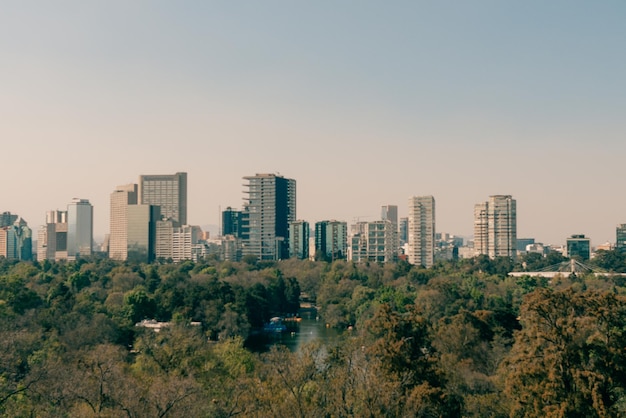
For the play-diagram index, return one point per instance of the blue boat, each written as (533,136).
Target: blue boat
(275,325)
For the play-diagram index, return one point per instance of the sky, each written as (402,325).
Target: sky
(364,103)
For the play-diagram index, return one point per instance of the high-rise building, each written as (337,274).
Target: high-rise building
(331,240)
(495,227)
(579,246)
(15,238)
(141,232)
(52,237)
(389,213)
(620,237)
(169,192)
(403,231)
(7,219)
(121,198)
(231,222)
(79,229)
(481,229)
(374,241)
(299,240)
(269,206)
(421,234)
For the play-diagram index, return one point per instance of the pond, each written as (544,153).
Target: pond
(309,328)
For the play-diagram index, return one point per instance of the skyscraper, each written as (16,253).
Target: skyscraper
(331,240)
(169,191)
(121,198)
(495,227)
(421,230)
(269,206)
(79,228)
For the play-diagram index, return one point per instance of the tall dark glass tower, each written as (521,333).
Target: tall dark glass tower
(231,222)
(269,206)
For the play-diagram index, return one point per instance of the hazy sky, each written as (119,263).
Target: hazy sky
(364,103)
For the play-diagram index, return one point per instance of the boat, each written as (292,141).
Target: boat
(275,325)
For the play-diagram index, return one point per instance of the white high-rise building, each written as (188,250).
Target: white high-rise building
(421,231)
(495,227)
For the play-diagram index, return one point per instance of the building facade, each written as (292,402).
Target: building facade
(299,240)
(578,246)
(16,238)
(374,242)
(169,192)
(141,232)
(79,229)
(620,237)
(495,227)
(421,231)
(389,213)
(121,198)
(52,237)
(331,240)
(269,206)
(231,222)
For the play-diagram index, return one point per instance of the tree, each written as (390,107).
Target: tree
(569,360)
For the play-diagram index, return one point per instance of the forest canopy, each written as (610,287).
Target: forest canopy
(459,339)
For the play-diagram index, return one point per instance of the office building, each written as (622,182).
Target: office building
(16,239)
(7,219)
(121,198)
(421,231)
(299,240)
(579,246)
(231,222)
(374,241)
(141,232)
(52,237)
(169,192)
(331,240)
(79,229)
(522,243)
(269,206)
(495,227)
(389,213)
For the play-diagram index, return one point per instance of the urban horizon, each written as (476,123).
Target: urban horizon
(214,228)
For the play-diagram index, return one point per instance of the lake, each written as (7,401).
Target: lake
(308,329)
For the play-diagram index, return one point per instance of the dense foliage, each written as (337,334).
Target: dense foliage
(459,339)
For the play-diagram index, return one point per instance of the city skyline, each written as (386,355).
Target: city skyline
(364,104)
